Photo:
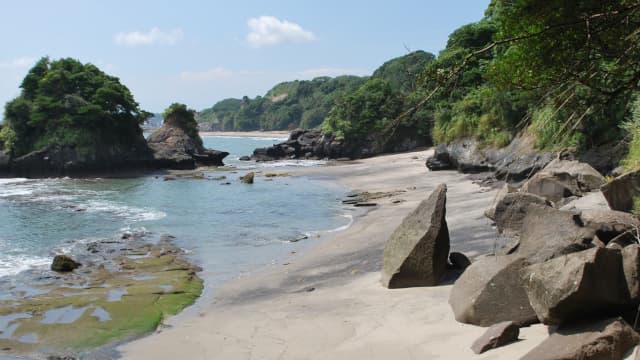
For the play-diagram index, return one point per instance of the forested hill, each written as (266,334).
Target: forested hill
(306,103)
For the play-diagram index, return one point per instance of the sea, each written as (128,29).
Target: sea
(228,228)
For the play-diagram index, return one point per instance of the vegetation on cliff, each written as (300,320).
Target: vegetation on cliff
(66,102)
(180,116)
(288,105)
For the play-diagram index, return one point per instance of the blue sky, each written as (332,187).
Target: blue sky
(200,52)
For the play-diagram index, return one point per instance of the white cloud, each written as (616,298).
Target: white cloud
(18,63)
(211,74)
(155,36)
(270,31)
(330,71)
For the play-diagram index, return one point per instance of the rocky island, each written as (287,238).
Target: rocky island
(73,119)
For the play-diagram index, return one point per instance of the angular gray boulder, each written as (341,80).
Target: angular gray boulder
(510,212)
(490,291)
(608,339)
(416,253)
(564,178)
(609,224)
(496,336)
(621,191)
(577,285)
(491,211)
(631,268)
(547,233)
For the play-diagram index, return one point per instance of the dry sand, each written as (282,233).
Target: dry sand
(327,303)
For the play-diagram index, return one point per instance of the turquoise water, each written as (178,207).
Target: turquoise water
(226,228)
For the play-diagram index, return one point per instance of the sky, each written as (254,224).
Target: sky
(200,52)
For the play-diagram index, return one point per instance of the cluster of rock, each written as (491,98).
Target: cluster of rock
(516,162)
(571,260)
(169,147)
(304,144)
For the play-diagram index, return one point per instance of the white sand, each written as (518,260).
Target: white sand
(271,315)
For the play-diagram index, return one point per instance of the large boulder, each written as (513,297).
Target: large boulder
(586,283)
(609,339)
(564,178)
(307,144)
(631,269)
(608,224)
(512,209)
(622,191)
(490,291)
(416,253)
(547,233)
(506,189)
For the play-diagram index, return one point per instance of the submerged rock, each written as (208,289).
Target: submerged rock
(416,253)
(63,263)
(248,178)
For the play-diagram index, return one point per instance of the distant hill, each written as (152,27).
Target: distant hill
(155,121)
(293,104)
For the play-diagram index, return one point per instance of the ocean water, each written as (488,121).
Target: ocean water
(227,229)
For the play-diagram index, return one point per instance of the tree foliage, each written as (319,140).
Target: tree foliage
(69,103)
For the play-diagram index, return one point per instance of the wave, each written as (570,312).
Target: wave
(14,264)
(128,212)
(343,227)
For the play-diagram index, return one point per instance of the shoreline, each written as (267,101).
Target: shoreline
(326,302)
(247,134)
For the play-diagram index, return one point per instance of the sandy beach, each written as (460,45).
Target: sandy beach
(327,302)
(267,134)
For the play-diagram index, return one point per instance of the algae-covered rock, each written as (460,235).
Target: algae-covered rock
(248,178)
(63,263)
(125,297)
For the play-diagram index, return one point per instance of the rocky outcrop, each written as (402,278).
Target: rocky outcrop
(496,336)
(61,160)
(305,144)
(622,191)
(173,148)
(490,291)
(416,253)
(247,178)
(562,179)
(516,162)
(631,269)
(577,285)
(63,263)
(608,339)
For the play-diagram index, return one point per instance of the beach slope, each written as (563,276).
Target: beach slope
(328,303)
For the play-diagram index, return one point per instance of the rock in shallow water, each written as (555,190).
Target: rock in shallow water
(63,263)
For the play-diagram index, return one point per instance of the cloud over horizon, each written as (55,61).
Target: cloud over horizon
(267,31)
(154,36)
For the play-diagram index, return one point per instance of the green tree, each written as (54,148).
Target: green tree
(66,102)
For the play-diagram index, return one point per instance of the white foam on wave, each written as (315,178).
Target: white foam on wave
(290,163)
(343,227)
(14,264)
(129,212)
(12,180)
